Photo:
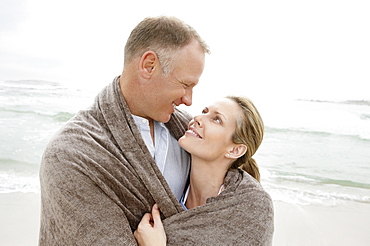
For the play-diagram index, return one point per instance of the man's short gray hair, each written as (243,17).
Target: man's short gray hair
(163,35)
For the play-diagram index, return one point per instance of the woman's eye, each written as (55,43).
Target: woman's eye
(218,120)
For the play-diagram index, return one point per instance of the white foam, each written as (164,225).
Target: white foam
(18,183)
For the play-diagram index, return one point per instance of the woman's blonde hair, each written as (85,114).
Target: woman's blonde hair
(249,131)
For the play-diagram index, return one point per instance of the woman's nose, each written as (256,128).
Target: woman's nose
(198,120)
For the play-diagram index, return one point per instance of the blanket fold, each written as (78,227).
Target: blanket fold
(241,215)
(98,177)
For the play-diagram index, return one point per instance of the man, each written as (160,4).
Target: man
(113,161)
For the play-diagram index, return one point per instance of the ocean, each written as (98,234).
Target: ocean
(313,152)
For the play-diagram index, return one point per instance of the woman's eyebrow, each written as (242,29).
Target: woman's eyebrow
(223,116)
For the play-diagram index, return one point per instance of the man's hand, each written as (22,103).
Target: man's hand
(150,231)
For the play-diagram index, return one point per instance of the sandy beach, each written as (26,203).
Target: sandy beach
(19,219)
(322,225)
(346,224)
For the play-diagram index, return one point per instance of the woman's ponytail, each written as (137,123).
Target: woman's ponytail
(249,131)
(251,167)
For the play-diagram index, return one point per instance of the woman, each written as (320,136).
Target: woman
(226,206)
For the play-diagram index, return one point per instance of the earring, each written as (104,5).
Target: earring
(228,155)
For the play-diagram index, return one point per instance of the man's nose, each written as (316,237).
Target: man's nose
(187,99)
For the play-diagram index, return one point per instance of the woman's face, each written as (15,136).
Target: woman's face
(209,135)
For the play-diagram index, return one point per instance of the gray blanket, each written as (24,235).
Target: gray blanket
(98,179)
(241,215)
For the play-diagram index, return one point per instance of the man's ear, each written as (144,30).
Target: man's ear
(237,151)
(148,64)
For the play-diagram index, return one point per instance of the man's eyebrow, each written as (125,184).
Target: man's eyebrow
(188,83)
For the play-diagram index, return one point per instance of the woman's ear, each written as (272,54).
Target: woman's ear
(237,151)
(148,63)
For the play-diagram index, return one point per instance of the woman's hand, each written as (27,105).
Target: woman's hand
(150,231)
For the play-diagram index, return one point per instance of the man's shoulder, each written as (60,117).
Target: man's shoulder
(76,132)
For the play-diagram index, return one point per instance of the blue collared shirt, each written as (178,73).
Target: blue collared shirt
(172,160)
(184,197)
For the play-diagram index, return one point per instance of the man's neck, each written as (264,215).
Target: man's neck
(151,127)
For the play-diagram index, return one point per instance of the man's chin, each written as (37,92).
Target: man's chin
(168,119)
(164,118)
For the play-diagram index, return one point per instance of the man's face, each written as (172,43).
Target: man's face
(168,91)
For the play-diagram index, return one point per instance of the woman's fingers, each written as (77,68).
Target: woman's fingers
(156,215)
(146,220)
(150,230)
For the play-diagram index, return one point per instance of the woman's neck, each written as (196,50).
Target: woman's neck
(205,181)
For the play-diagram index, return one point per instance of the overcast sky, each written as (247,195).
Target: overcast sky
(317,49)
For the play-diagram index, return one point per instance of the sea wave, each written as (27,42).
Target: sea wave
(58,116)
(62,116)
(42,98)
(30,83)
(14,166)
(316,180)
(365,116)
(304,196)
(349,119)
(302,189)
(10,182)
(318,133)
(18,176)
(354,102)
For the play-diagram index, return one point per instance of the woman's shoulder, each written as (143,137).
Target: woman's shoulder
(239,181)
(236,177)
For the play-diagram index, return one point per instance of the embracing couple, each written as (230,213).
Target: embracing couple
(133,169)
